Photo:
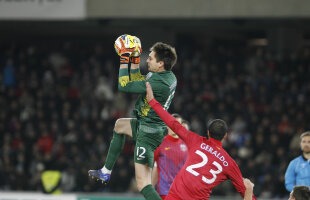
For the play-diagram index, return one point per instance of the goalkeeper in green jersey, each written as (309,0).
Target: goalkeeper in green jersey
(146,129)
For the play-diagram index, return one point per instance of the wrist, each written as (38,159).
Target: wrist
(135,60)
(124,59)
(134,68)
(123,66)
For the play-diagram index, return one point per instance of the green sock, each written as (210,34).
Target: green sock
(116,146)
(150,193)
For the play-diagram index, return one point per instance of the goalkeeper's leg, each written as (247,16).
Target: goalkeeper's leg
(122,128)
(143,178)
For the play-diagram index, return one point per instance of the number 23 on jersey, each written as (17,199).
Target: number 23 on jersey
(191,168)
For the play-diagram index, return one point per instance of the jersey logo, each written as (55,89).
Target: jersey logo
(149,75)
(183,147)
(167,148)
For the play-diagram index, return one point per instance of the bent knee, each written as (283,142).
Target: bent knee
(117,125)
(122,126)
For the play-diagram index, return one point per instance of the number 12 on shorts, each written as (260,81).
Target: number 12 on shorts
(204,157)
(140,153)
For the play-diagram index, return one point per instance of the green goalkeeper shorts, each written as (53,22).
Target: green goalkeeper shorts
(147,138)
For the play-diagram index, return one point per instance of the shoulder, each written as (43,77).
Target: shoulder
(172,76)
(296,160)
(164,75)
(197,137)
(154,77)
(228,157)
(299,158)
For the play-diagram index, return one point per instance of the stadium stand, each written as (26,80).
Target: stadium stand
(59,101)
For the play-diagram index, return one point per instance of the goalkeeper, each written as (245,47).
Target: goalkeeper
(146,129)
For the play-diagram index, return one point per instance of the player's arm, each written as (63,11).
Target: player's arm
(290,178)
(248,194)
(135,83)
(135,74)
(127,85)
(236,178)
(169,120)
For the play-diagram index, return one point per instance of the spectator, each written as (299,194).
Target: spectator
(298,171)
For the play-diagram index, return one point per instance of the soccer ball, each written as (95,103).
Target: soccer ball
(128,42)
(124,41)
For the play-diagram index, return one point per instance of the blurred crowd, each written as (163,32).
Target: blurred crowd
(59,102)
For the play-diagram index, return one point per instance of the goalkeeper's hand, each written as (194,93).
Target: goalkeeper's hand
(135,56)
(125,51)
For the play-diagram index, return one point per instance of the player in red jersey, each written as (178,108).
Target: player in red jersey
(169,158)
(207,164)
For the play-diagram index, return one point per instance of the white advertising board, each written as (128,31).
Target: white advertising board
(42,9)
(34,196)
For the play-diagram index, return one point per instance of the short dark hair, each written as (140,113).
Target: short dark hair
(217,129)
(301,192)
(166,53)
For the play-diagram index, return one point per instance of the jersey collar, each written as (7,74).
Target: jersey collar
(216,141)
(305,159)
(172,139)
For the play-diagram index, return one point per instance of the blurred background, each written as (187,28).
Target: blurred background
(245,61)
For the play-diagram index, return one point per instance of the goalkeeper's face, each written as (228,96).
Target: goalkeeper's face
(153,65)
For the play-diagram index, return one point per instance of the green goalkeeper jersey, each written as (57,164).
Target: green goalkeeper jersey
(163,85)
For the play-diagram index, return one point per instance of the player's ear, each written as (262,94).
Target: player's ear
(225,136)
(161,63)
(208,134)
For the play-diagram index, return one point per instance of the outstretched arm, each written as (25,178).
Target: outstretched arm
(170,121)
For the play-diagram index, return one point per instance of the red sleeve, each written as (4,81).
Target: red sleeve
(236,178)
(170,121)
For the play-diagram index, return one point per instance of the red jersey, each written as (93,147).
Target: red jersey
(207,164)
(170,157)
